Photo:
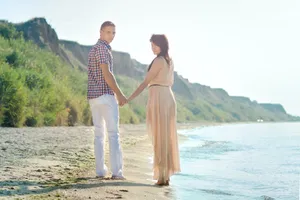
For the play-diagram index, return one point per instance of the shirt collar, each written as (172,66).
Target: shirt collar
(105,43)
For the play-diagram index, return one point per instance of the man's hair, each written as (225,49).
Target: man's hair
(107,23)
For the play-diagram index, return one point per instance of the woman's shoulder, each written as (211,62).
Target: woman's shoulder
(159,60)
(162,58)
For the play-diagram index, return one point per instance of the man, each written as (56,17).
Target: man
(103,93)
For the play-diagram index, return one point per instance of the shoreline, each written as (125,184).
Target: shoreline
(58,162)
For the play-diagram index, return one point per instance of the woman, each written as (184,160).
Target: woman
(161,111)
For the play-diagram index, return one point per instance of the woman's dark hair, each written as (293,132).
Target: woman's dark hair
(162,41)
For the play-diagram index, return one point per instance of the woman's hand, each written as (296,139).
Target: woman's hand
(129,99)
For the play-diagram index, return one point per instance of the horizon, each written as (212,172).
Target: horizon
(244,42)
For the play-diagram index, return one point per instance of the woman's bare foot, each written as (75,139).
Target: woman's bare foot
(161,183)
(168,182)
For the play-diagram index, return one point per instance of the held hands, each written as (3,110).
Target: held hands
(122,100)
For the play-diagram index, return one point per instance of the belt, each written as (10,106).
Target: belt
(159,85)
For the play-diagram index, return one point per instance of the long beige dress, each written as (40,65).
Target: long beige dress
(161,120)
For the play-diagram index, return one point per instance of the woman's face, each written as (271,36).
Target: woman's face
(155,48)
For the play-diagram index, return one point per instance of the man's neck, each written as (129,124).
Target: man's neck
(104,41)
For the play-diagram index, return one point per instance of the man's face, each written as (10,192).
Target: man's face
(108,33)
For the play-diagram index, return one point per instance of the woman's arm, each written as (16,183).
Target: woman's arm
(155,68)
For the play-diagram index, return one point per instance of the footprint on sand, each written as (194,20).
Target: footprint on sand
(116,195)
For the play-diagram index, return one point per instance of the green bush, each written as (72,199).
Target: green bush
(12,59)
(8,31)
(49,119)
(37,87)
(87,115)
(1,114)
(33,120)
(13,98)
(73,111)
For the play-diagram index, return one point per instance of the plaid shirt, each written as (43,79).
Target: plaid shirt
(99,54)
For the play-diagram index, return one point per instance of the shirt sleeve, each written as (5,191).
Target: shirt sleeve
(102,55)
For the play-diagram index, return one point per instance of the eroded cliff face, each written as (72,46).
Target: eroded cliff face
(201,101)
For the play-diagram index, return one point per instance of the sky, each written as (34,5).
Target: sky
(247,47)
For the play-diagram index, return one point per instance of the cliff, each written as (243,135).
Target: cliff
(196,101)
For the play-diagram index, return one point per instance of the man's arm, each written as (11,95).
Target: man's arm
(110,79)
(102,57)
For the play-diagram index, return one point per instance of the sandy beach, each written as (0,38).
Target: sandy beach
(58,163)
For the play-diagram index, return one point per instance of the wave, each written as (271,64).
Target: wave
(207,149)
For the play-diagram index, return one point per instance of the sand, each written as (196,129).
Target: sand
(58,163)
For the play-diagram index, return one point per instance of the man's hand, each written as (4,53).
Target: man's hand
(121,99)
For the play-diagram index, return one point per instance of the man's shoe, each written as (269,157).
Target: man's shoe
(118,178)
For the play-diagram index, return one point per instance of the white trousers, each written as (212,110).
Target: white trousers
(105,114)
